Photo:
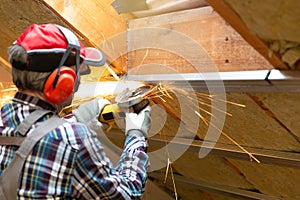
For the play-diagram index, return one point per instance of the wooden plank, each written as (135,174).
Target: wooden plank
(236,22)
(189,41)
(90,18)
(17,16)
(97,22)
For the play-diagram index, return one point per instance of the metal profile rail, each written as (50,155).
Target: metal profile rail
(239,81)
(265,156)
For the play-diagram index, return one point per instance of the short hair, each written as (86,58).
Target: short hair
(24,79)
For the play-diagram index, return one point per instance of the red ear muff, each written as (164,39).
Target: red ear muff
(58,91)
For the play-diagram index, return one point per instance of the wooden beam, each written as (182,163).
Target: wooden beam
(96,22)
(236,22)
(17,16)
(190,41)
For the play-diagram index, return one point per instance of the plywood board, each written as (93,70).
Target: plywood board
(252,126)
(271,180)
(285,107)
(210,169)
(249,126)
(196,40)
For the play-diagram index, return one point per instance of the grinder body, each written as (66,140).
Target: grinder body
(112,111)
(127,101)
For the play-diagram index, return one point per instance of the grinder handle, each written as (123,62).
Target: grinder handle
(111,111)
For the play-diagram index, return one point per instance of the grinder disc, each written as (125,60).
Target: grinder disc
(129,98)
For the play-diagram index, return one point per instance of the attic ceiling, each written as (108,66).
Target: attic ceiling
(236,36)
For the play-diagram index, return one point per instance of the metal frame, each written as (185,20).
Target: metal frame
(265,156)
(239,81)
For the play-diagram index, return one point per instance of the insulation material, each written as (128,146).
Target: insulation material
(272,180)
(277,22)
(277,25)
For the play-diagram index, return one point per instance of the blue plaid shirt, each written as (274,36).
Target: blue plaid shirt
(70,162)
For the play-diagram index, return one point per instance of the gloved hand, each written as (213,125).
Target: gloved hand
(90,110)
(138,123)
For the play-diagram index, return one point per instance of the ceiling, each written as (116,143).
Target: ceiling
(235,36)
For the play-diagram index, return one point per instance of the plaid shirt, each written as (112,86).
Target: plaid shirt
(70,162)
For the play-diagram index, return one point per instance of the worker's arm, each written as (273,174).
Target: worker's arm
(95,176)
(87,111)
(134,160)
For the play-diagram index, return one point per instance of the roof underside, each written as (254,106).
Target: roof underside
(180,37)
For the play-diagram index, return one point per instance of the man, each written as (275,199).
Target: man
(69,162)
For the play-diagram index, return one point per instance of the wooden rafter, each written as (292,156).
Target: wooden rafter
(96,22)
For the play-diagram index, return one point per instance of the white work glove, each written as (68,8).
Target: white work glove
(138,123)
(88,111)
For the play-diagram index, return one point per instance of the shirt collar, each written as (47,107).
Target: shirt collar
(32,101)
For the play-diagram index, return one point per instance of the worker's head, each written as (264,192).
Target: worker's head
(49,59)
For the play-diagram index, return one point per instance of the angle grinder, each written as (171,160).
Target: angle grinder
(126,101)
